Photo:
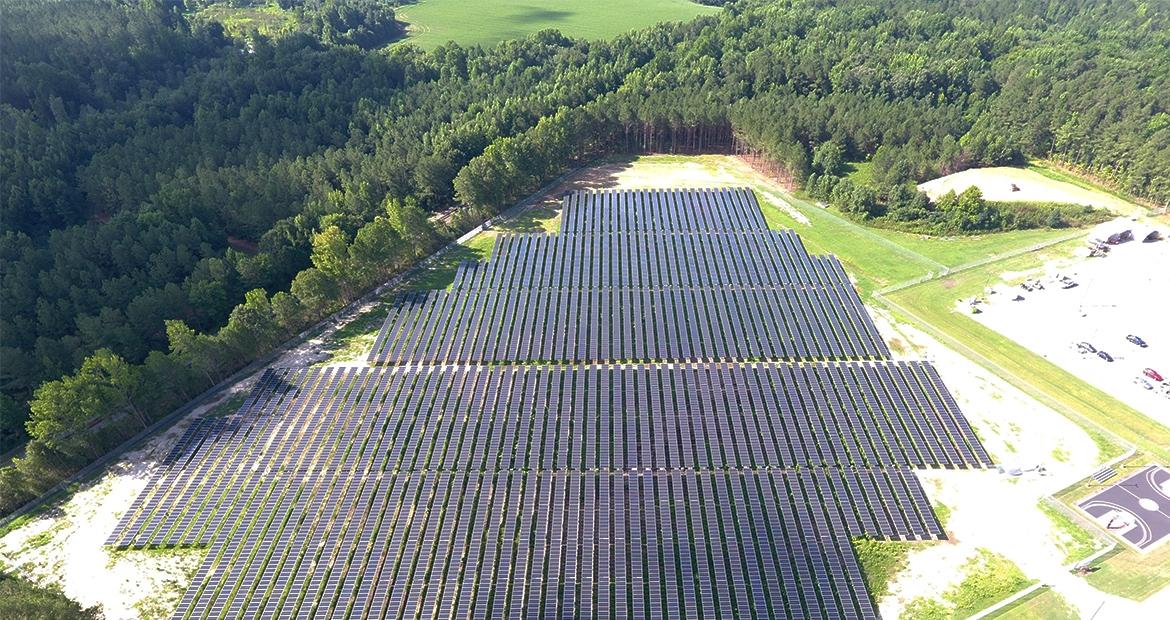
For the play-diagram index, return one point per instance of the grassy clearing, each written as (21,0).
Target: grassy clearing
(269,20)
(1042,603)
(860,172)
(987,579)
(432,23)
(227,407)
(180,562)
(881,561)
(440,273)
(357,337)
(539,218)
(1075,541)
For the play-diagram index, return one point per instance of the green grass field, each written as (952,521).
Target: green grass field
(432,23)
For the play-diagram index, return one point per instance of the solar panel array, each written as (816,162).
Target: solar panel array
(652,490)
(650,260)
(666,275)
(662,210)
(600,325)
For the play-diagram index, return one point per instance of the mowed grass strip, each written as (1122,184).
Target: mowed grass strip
(1041,603)
(1130,574)
(432,23)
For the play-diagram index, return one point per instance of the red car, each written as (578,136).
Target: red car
(1153,374)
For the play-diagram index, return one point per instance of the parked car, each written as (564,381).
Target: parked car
(1138,341)
(1105,356)
(1142,382)
(1086,347)
(1153,374)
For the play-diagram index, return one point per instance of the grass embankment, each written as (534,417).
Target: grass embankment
(987,579)
(432,23)
(1041,603)
(1075,541)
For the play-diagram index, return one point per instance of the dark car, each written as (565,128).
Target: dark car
(1105,356)
(1153,374)
(1138,341)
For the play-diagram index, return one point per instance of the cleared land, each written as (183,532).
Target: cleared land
(269,20)
(432,23)
(877,258)
(1030,186)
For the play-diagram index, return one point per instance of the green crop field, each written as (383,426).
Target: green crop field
(485,22)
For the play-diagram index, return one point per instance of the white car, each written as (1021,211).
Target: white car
(1142,382)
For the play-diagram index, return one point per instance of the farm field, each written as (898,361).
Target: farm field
(432,23)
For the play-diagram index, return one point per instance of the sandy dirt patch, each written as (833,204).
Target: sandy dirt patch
(996,184)
(1126,292)
(655,171)
(65,546)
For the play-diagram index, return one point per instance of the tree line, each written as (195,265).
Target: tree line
(177,202)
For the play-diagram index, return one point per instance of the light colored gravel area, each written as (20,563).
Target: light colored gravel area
(1125,292)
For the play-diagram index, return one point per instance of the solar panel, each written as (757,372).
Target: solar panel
(465,477)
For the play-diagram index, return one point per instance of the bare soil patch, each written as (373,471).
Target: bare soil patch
(1029,186)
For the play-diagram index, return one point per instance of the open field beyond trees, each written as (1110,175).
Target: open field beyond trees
(432,23)
(1030,185)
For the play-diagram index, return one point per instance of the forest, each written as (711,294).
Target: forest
(175,201)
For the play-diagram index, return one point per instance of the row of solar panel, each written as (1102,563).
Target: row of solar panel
(513,544)
(603,325)
(650,260)
(320,422)
(692,210)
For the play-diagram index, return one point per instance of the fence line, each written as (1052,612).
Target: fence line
(217,392)
(946,271)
